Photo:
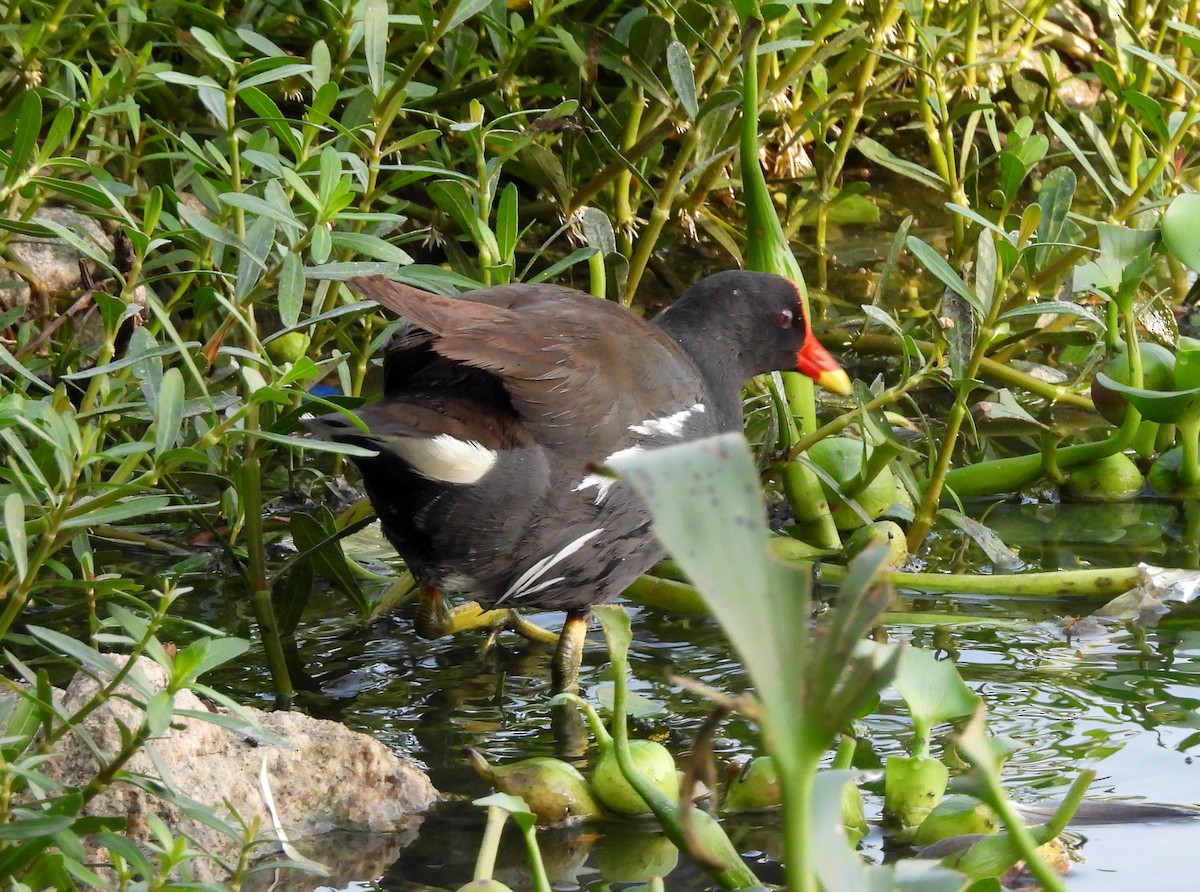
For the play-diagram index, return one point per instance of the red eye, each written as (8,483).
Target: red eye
(785,318)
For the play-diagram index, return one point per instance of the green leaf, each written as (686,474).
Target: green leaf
(1058,190)
(1054,307)
(467,10)
(577,256)
(683,77)
(371,246)
(452,197)
(881,155)
(158,713)
(252,262)
(124,848)
(933,262)
(169,411)
(1181,229)
(1003,557)
(213,47)
(1064,136)
(707,507)
(506,224)
(23,827)
(317,536)
(263,209)
(933,689)
(276,70)
(1165,407)
(514,805)
(291,289)
(86,657)
(375,38)
(986,269)
(128,509)
(265,108)
(598,230)
(27,124)
(14,528)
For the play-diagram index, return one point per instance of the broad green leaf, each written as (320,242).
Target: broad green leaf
(213,48)
(265,108)
(262,44)
(316,535)
(1181,229)
(321,245)
(839,867)
(1056,308)
(986,269)
(1003,557)
(126,849)
(452,197)
(707,507)
(262,208)
(1064,136)
(169,411)
(206,228)
(188,80)
(514,805)
(81,242)
(467,10)
(1165,407)
(933,690)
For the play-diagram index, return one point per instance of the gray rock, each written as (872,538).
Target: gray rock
(328,777)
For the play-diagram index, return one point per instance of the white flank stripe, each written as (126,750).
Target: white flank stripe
(525,583)
(668,426)
(446,458)
(603,483)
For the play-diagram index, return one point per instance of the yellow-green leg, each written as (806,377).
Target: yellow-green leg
(564,670)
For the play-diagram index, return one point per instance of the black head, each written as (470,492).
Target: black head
(737,324)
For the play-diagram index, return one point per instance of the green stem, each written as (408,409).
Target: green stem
(260,587)
(1005,475)
(1189,441)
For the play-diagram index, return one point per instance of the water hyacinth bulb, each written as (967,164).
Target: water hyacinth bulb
(843,458)
(956,815)
(613,790)
(752,785)
(555,792)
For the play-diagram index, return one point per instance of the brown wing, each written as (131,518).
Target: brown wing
(579,370)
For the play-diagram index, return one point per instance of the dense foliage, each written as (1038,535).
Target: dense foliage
(240,161)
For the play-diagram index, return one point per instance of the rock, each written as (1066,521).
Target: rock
(43,276)
(329,778)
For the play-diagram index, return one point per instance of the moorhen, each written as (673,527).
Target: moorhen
(498,405)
